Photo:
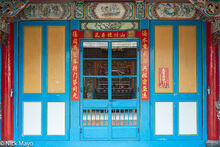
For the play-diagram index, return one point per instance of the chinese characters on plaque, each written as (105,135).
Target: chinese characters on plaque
(144,65)
(163,77)
(117,34)
(74,65)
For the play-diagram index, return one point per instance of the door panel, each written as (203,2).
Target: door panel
(110,99)
(176,84)
(44,80)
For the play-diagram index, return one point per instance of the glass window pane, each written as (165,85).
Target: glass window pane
(124,49)
(124,44)
(124,53)
(124,67)
(95,44)
(95,67)
(124,88)
(95,49)
(95,88)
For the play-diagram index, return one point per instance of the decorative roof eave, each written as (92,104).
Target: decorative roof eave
(70,9)
(112,0)
(209,8)
(10,8)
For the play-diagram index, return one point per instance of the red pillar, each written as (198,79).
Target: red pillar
(213,85)
(7,84)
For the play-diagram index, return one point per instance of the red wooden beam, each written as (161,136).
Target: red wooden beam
(212,86)
(7,84)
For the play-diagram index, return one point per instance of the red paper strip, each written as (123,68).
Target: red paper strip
(144,65)
(109,35)
(164,77)
(74,65)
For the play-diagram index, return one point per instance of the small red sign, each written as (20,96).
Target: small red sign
(74,65)
(163,77)
(118,34)
(144,65)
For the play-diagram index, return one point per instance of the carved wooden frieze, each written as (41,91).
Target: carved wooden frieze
(4,26)
(85,10)
(109,10)
(171,11)
(79,10)
(210,8)
(216,26)
(140,10)
(4,30)
(10,8)
(216,30)
(109,26)
(48,11)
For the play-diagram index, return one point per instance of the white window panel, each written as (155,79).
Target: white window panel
(56,118)
(188,118)
(163,118)
(95,44)
(32,118)
(124,44)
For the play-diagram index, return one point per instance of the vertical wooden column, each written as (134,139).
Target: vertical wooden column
(7,84)
(212,86)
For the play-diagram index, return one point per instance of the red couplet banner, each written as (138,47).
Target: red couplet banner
(144,65)
(74,65)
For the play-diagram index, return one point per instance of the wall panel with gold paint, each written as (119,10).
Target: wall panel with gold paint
(164,57)
(187,59)
(56,59)
(32,59)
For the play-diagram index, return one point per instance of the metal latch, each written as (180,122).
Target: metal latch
(209,90)
(11,93)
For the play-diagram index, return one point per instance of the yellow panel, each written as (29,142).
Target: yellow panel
(56,59)
(32,59)
(187,59)
(164,56)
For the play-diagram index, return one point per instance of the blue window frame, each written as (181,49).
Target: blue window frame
(176,97)
(105,118)
(44,97)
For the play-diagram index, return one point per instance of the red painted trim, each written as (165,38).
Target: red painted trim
(213,84)
(138,34)
(103,35)
(7,83)
(81,34)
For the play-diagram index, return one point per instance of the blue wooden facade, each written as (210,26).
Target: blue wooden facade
(106,120)
(144,131)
